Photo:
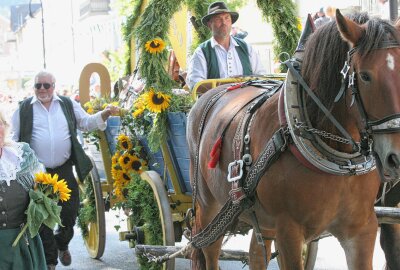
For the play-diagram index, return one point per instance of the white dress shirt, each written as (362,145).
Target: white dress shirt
(50,135)
(228,63)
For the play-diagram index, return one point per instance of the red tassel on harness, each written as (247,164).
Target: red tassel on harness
(215,153)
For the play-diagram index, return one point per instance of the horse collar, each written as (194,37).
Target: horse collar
(307,146)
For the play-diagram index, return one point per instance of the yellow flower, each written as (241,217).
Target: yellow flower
(157,102)
(124,160)
(115,158)
(156,45)
(59,187)
(299,26)
(89,107)
(135,164)
(46,178)
(138,112)
(40,177)
(63,190)
(124,142)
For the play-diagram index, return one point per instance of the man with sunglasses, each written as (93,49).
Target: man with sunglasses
(48,122)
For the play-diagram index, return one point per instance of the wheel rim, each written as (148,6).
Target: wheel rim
(94,240)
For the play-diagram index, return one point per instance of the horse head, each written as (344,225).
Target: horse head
(372,71)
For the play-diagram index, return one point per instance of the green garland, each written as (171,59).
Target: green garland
(145,214)
(128,27)
(282,15)
(87,213)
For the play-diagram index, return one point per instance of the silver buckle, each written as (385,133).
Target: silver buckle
(234,163)
(345,69)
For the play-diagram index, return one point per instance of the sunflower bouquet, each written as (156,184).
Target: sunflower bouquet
(43,206)
(129,159)
(148,116)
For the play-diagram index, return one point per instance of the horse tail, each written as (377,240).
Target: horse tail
(198,258)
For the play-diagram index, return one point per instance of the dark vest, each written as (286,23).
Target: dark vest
(212,62)
(82,162)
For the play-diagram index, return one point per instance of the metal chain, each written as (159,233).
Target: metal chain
(322,133)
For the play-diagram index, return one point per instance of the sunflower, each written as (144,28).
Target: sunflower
(114,159)
(46,178)
(125,160)
(156,45)
(136,164)
(124,142)
(122,177)
(115,172)
(157,102)
(120,183)
(63,190)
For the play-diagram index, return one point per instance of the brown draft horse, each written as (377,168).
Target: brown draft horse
(295,204)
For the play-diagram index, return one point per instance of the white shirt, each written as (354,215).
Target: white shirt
(228,63)
(50,135)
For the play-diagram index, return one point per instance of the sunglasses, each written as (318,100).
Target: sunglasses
(45,85)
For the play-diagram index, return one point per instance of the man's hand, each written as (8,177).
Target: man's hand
(108,111)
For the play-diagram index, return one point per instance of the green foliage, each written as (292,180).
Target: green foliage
(87,213)
(42,209)
(130,9)
(155,23)
(145,213)
(282,15)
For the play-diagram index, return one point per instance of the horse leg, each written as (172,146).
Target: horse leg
(212,253)
(256,255)
(359,250)
(289,240)
(390,233)
(390,243)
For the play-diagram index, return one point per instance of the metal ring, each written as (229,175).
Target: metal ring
(282,55)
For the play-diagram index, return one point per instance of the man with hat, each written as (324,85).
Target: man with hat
(222,56)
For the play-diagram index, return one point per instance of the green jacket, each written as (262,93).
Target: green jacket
(82,162)
(212,62)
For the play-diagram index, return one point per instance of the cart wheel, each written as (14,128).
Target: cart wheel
(91,192)
(161,196)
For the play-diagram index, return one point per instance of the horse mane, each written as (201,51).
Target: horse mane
(325,54)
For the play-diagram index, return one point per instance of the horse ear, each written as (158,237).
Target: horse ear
(349,30)
(309,28)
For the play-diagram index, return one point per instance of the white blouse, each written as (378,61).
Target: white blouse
(10,162)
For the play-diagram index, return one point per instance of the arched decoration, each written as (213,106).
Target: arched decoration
(84,81)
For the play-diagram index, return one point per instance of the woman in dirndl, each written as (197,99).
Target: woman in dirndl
(18,164)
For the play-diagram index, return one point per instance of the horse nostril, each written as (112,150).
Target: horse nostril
(393,161)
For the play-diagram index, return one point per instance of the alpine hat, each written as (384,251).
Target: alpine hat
(218,8)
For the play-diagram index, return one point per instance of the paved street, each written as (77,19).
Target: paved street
(118,256)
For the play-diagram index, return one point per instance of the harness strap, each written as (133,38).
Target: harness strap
(230,211)
(259,237)
(328,114)
(241,147)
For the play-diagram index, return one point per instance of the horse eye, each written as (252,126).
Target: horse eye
(365,77)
